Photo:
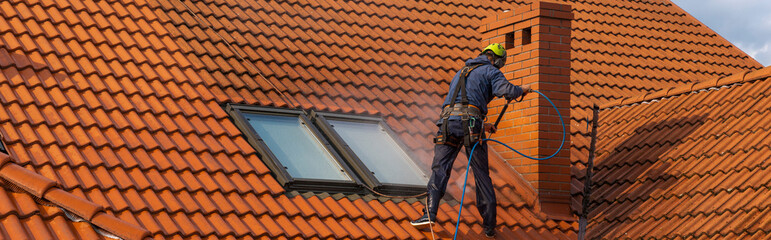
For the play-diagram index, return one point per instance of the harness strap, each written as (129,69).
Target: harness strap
(468,138)
(461,87)
(455,110)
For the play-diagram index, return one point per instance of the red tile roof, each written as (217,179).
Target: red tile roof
(692,162)
(118,102)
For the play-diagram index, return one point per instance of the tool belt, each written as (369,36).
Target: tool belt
(469,114)
(456,110)
(448,139)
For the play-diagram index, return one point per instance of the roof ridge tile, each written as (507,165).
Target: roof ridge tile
(33,183)
(737,78)
(119,227)
(758,74)
(42,187)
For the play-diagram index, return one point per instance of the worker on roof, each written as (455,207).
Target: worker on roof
(461,123)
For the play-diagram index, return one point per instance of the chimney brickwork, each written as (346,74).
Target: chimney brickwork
(537,41)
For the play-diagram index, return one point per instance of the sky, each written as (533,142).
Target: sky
(745,23)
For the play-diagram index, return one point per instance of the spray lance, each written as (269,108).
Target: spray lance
(503,111)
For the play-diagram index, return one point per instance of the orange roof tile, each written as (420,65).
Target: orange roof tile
(120,103)
(673,169)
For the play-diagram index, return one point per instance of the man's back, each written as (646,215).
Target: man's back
(483,84)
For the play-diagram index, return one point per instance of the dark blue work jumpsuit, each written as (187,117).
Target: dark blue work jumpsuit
(482,84)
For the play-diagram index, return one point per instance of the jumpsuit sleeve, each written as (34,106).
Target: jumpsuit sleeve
(502,87)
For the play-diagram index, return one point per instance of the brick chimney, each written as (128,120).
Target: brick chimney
(537,41)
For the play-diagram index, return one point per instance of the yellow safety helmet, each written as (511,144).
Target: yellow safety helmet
(498,50)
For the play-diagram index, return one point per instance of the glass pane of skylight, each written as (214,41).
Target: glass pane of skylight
(380,152)
(295,146)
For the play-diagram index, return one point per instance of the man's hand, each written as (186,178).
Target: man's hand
(526,90)
(489,127)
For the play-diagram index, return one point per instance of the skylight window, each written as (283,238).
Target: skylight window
(379,152)
(373,150)
(329,152)
(285,136)
(293,149)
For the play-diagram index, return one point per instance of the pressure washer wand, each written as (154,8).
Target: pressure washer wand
(503,111)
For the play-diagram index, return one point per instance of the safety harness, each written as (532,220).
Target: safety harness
(468,114)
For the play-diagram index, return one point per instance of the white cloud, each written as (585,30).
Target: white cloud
(761,53)
(754,50)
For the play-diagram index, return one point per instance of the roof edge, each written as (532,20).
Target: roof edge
(42,187)
(741,77)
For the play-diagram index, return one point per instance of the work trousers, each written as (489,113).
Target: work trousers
(444,156)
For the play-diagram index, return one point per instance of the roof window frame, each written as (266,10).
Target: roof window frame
(284,178)
(320,119)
